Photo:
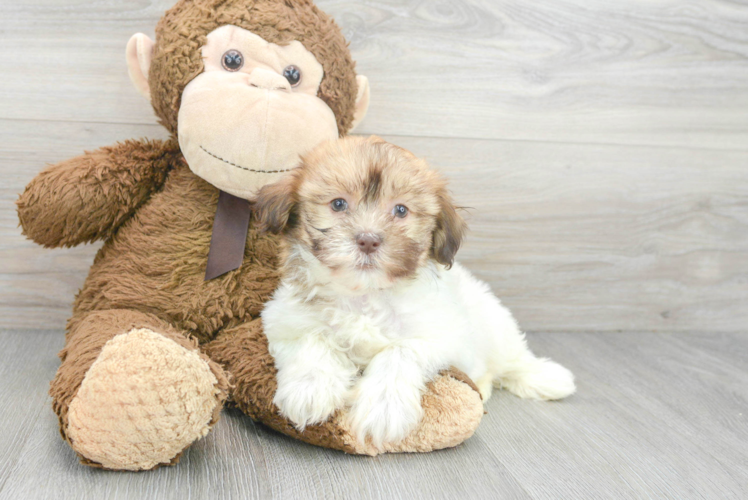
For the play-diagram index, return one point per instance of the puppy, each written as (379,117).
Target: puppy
(371,305)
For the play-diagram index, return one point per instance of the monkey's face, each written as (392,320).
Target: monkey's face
(254,109)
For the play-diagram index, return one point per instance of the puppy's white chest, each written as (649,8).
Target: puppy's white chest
(363,327)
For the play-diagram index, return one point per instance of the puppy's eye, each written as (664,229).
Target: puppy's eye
(400,211)
(292,74)
(232,60)
(338,205)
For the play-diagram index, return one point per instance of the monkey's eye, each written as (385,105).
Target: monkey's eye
(338,205)
(232,60)
(292,74)
(400,211)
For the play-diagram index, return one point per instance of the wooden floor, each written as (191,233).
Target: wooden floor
(603,148)
(656,416)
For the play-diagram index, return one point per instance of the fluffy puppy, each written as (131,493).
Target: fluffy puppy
(370,305)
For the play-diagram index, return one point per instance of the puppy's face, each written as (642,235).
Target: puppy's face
(369,211)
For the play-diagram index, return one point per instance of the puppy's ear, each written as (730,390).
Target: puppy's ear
(449,231)
(275,204)
(375,139)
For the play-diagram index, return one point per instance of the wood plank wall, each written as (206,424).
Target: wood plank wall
(602,145)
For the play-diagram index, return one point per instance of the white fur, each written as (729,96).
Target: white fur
(375,349)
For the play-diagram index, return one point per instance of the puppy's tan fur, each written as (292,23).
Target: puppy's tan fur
(372,176)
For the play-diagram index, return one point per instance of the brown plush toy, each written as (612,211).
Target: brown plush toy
(166,327)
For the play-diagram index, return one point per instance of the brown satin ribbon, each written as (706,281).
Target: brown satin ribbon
(229,235)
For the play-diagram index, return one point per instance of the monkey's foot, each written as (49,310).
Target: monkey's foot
(142,402)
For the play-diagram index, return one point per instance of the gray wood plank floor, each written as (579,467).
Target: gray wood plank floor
(656,416)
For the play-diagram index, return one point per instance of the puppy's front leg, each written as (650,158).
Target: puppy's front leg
(313,379)
(387,399)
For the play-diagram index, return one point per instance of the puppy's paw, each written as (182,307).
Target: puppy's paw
(541,379)
(383,412)
(310,399)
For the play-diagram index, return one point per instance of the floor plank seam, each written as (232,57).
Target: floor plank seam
(439,138)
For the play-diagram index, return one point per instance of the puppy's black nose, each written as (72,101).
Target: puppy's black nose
(368,243)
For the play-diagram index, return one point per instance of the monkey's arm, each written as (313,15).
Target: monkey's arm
(87,197)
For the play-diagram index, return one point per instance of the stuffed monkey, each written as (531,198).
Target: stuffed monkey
(166,327)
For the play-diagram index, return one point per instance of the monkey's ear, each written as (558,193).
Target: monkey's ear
(450,229)
(139,54)
(362,101)
(275,203)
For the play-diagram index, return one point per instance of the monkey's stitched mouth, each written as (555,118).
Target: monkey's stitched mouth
(259,171)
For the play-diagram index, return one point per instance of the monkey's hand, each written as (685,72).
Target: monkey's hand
(88,197)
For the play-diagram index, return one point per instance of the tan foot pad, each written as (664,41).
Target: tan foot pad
(143,401)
